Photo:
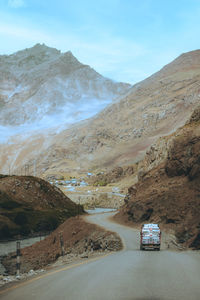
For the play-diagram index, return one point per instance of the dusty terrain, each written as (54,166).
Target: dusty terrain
(81,239)
(169,194)
(115,175)
(31,205)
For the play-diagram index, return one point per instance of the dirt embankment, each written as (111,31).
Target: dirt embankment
(30,205)
(80,240)
(113,176)
(169,194)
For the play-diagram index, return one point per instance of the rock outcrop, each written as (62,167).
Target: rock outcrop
(169,193)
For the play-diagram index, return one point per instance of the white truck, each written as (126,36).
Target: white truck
(150,237)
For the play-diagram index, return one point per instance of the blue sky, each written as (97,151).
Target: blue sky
(126,40)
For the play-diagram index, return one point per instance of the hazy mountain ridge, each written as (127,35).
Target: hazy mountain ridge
(43,85)
(121,133)
(157,106)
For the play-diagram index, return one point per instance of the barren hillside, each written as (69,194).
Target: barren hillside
(121,133)
(169,194)
(155,107)
(31,205)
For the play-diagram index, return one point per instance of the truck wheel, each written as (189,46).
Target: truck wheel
(141,248)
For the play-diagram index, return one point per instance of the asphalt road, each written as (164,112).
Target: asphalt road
(128,274)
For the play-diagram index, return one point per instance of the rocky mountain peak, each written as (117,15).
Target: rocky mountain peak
(69,59)
(27,59)
(44,88)
(37,49)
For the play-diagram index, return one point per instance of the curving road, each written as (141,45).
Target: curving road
(129,274)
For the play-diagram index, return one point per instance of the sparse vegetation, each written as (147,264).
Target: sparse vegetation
(100,183)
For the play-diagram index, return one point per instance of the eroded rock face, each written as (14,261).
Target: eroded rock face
(179,151)
(195,117)
(183,158)
(184,154)
(169,194)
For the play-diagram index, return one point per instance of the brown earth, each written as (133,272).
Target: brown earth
(31,205)
(169,193)
(78,237)
(115,175)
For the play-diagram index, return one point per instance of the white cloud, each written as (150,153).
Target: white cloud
(28,34)
(16,3)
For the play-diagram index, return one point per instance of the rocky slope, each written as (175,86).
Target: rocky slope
(115,175)
(30,205)
(169,192)
(155,107)
(80,240)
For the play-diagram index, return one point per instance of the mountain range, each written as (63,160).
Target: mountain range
(42,88)
(113,123)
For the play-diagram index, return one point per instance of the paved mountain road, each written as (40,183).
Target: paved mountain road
(126,275)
